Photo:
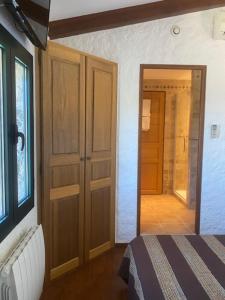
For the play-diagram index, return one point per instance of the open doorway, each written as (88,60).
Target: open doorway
(170,148)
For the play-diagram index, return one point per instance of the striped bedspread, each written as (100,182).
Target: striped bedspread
(175,267)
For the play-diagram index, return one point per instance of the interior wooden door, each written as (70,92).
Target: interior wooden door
(63,132)
(152,143)
(100,160)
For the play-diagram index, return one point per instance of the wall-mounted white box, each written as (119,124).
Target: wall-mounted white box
(219,26)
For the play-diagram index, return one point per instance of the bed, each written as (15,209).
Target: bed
(175,267)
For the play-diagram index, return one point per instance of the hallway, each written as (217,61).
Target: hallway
(165,214)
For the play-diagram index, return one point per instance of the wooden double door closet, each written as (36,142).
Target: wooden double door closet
(78,96)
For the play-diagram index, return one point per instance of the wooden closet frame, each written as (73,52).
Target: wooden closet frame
(203,69)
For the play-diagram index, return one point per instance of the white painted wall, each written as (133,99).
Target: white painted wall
(31,219)
(76,8)
(152,43)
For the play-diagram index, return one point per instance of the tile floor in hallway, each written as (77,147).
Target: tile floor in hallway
(165,214)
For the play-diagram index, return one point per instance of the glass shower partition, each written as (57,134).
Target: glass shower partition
(182,124)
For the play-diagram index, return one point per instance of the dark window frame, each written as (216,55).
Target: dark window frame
(13,50)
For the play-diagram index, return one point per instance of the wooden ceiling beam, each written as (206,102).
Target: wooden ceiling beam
(127,16)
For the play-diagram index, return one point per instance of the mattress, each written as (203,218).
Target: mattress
(175,267)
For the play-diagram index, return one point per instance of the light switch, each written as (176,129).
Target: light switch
(215,131)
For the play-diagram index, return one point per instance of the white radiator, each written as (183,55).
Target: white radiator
(22,275)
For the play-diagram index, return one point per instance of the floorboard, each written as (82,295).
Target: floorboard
(97,280)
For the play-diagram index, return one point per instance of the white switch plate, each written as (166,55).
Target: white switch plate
(215,131)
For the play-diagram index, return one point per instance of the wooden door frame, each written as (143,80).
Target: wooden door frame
(203,70)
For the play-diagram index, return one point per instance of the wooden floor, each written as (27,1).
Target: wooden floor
(97,280)
(165,214)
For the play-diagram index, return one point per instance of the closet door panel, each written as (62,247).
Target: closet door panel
(100,217)
(65,106)
(65,246)
(65,175)
(63,75)
(100,152)
(102,111)
(101,169)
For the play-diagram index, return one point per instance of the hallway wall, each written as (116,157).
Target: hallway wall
(152,43)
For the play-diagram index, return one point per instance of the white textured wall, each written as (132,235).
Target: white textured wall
(31,219)
(151,43)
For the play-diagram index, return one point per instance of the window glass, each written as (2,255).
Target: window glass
(2,167)
(22,128)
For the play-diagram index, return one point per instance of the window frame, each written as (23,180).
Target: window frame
(12,49)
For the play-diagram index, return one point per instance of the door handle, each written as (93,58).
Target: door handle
(19,134)
(83,158)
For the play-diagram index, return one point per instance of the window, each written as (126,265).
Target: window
(16,133)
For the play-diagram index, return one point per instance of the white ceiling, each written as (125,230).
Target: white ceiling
(167,74)
(62,9)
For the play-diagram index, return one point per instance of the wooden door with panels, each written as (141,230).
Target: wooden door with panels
(78,157)
(152,143)
(100,151)
(63,140)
